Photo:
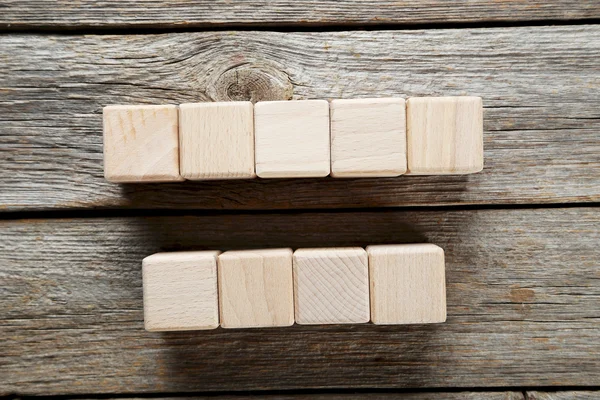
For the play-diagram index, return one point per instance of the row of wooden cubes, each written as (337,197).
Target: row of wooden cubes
(381,137)
(384,284)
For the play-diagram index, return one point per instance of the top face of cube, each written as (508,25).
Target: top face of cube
(368,137)
(331,286)
(444,135)
(180,291)
(258,253)
(407,284)
(141,143)
(256,288)
(217,140)
(412,248)
(292,139)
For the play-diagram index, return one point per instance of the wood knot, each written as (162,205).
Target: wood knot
(521,295)
(251,82)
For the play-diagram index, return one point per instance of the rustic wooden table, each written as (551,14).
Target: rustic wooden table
(522,238)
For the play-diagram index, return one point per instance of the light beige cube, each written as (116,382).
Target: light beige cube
(408,284)
(141,143)
(216,140)
(368,137)
(444,135)
(256,288)
(331,286)
(292,139)
(180,291)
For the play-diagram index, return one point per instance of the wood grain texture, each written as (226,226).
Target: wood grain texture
(292,139)
(564,395)
(141,143)
(407,284)
(331,286)
(444,135)
(540,118)
(256,288)
(368,137)
(180,291)
(205,13)
(522,287)
(216,140)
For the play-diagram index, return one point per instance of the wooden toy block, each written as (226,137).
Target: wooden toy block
(141,143)
(256,288)
(407,284)
(444,135)
(180,291)
(216,140)
(368,137)
(331,286)
(292,139)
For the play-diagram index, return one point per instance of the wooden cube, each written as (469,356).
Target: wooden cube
(141,143)
(292,139)
(180,291)
(444,135)
(216,140)
(368,137)
(331,286)
(408,284)
(256,288)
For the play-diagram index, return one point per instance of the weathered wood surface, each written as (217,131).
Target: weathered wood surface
(564,395)
(523,309)
(19,14)
(540,88)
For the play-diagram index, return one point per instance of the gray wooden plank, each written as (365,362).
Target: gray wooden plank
(206,13)
(522,286)
(540,89)
(564,395)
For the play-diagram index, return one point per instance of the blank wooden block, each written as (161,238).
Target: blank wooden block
(217,140)
(180,291)
(368,137)
(256,288)
(141,143)
(408,284)
(292,139)
(444,135)
(331,286)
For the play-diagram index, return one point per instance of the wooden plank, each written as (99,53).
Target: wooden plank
(539,85)
(522,287)
(205,13)
(564,395)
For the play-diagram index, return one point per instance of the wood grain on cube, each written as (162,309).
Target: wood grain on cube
(180,291)
(408,284)
(292,139)
(368,137)
(444,135)
(256,288)
(331,286)
(216,140)
(141,143)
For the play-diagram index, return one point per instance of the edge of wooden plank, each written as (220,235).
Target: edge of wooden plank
(64,14)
